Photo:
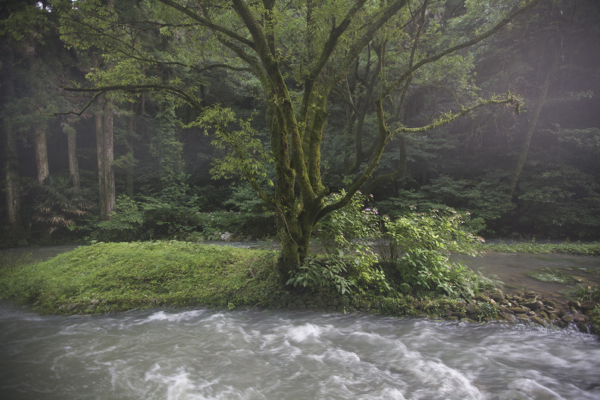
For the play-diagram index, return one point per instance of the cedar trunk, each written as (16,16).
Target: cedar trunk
(41,154)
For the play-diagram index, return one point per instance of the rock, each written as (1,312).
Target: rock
(561,312)
(539,321)
(588,306)
(574,304)
(531,313)
(94,302)
(227,236)
(452,318)
(481,297)
(518,310)
(560,323)
(581,318)
(567,319)
(459,314)
(550,303)
(508,317)
(498,296)
(534,305)
(71,307)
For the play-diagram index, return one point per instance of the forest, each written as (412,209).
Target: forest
(233,120)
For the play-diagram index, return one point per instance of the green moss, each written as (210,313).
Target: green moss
(108,277)
(119,276)
(587,249)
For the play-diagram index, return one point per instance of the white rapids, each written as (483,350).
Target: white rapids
(207,354)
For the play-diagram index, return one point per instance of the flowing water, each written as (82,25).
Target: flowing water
(208,354)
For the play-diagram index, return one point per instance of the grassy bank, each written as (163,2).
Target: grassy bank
(121,276)
(584,249)
(111,277)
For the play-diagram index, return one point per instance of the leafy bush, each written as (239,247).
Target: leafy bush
(348,259)
(417,248)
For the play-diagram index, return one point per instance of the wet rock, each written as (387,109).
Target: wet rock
(94,302)
(452,318)
(561,313)
(581,318)
(560,323)
(539,321)
(574,304)
(534,305)
(459,314)
(508,317)
(567,319)
(518,310)
(550,303)
(71,307)
(531,313)
(482,297)
(498,296)
(588,306)
(522,317)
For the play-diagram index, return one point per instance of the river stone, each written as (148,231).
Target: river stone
(539,321)
(71,307)
(534,305)
(588,306)
(508,317)
(518,310)
(574,304)
(560,323)
(561,312)
(581,318)
(567,319)
(481,297)
(459,314)
(498,296)
(522,317)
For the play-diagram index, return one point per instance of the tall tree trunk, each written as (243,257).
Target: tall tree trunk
(130,166)
(41,154)
(109,158)
(73,163)
(100,157)
(11,175)
(532,126)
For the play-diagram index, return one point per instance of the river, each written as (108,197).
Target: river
(211,354)
(208,354)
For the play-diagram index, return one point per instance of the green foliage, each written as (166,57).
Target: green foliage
(584,293)
(59,205)
(418,247)
(125,223)
(315,273)
(589,249)
(119,276)
(168,214)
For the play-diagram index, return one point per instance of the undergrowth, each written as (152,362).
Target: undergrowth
(587,249)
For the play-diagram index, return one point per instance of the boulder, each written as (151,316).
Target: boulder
(588,306)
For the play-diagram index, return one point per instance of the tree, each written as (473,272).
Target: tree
(294,53)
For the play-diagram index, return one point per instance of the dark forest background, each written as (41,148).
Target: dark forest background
(529,170)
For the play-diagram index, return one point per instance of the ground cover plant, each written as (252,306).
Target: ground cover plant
(119,276)
(586,249)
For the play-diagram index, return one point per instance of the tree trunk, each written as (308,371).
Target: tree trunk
(130,166)
(11,174)
(109,158)
(73,163)
(41,154)
(531,128)
(100,157)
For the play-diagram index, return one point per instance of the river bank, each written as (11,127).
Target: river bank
(108,278)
